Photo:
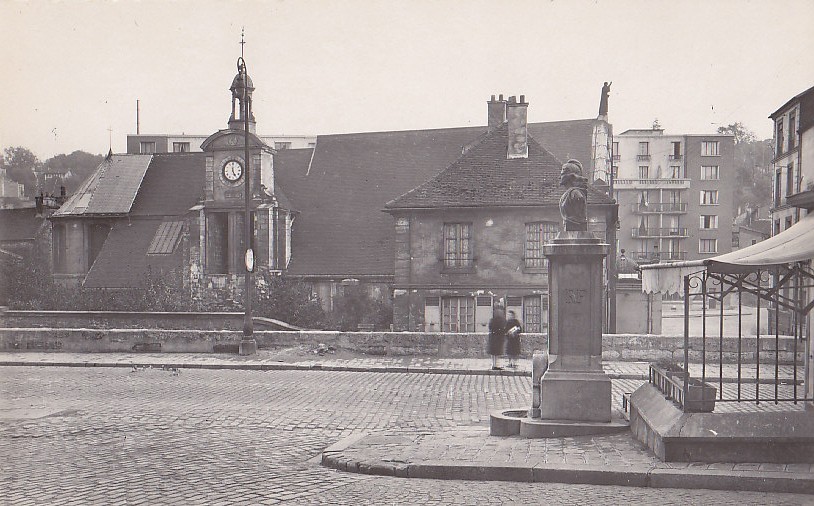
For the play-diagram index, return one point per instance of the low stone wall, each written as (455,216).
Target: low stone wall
(626,347)
(129,320)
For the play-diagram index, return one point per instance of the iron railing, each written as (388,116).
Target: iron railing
(659,232)
(757,366)
(673,184)
(659,207)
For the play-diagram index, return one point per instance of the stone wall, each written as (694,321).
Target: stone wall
(625,347)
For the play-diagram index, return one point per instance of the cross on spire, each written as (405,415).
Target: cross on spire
(242,41)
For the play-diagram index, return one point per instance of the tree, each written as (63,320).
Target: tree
(80,163)
(753,186)
(20,165)
(739,131)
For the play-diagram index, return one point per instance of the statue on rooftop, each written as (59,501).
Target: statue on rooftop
(603,100)
(574,201)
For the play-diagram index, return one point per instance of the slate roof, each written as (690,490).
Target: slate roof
(340,229)
(19,224)
(173,183)
(565,139)
(123,261)
(110,190)
(340,188)
(484,176)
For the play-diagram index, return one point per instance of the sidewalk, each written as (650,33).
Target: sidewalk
(472,454)
(302,359)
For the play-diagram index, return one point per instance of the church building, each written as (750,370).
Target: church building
(326,214)
(177,214)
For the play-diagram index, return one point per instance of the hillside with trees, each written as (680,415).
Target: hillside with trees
(753,178)
(24,167)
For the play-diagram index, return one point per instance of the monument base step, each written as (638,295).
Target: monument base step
(515,422)
(675,436)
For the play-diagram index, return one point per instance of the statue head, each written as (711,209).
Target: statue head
(571,173)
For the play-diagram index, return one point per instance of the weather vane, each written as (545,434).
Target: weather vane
(242,42)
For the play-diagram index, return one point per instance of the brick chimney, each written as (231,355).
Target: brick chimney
(516,115)
(497,113)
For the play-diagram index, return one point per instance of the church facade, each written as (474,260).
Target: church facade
(177,214)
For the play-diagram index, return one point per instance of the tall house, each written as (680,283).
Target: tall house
(675,194)
(793,145)
(473,235)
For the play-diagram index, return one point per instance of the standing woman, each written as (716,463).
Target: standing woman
(497,334)
(513,330)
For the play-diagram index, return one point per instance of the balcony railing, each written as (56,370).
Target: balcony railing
(635,184)
(676,158)
(641,232)
(659,207)
(673,255)
(652,256)
(642,158)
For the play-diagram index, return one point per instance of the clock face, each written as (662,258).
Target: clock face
(232,170)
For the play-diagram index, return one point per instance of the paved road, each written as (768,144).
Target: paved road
(113,436)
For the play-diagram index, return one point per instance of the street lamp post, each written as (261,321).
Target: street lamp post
(248,346)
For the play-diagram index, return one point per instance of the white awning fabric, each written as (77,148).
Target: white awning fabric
(795,244)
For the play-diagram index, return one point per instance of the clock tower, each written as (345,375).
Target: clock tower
(219,257)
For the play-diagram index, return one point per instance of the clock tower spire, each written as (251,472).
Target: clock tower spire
(242,95)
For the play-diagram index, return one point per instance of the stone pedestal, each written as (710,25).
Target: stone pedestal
(247,347)
(575,387)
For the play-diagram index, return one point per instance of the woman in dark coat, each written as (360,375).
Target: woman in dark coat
(513,330)
(497,335)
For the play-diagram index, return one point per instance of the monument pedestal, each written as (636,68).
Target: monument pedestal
(573,395)
(575,387)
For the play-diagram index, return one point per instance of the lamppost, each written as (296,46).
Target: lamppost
(248,346)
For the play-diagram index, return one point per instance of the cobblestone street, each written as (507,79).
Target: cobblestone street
(119,436)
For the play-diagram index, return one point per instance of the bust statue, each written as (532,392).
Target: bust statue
(574,201)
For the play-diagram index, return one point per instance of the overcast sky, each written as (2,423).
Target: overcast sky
(72,70)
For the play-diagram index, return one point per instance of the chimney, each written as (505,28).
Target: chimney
(497,113)
(516,115)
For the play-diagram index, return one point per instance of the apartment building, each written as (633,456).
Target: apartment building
(793,171)
(145,144)
(675,194)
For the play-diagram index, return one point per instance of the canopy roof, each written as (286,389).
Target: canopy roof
(795,244)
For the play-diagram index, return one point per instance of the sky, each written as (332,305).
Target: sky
(73,70)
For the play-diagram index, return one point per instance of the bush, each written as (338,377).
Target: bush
(28,284)
(289,300)
(355,306)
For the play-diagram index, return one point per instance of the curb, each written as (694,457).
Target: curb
(640,476)
(278,367)
(309,367)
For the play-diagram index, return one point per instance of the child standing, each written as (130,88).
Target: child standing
(513,330)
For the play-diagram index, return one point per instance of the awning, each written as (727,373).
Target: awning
(795,244)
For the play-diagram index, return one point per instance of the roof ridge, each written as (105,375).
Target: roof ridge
(472,146)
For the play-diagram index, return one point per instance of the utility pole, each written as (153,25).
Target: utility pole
(248,346)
